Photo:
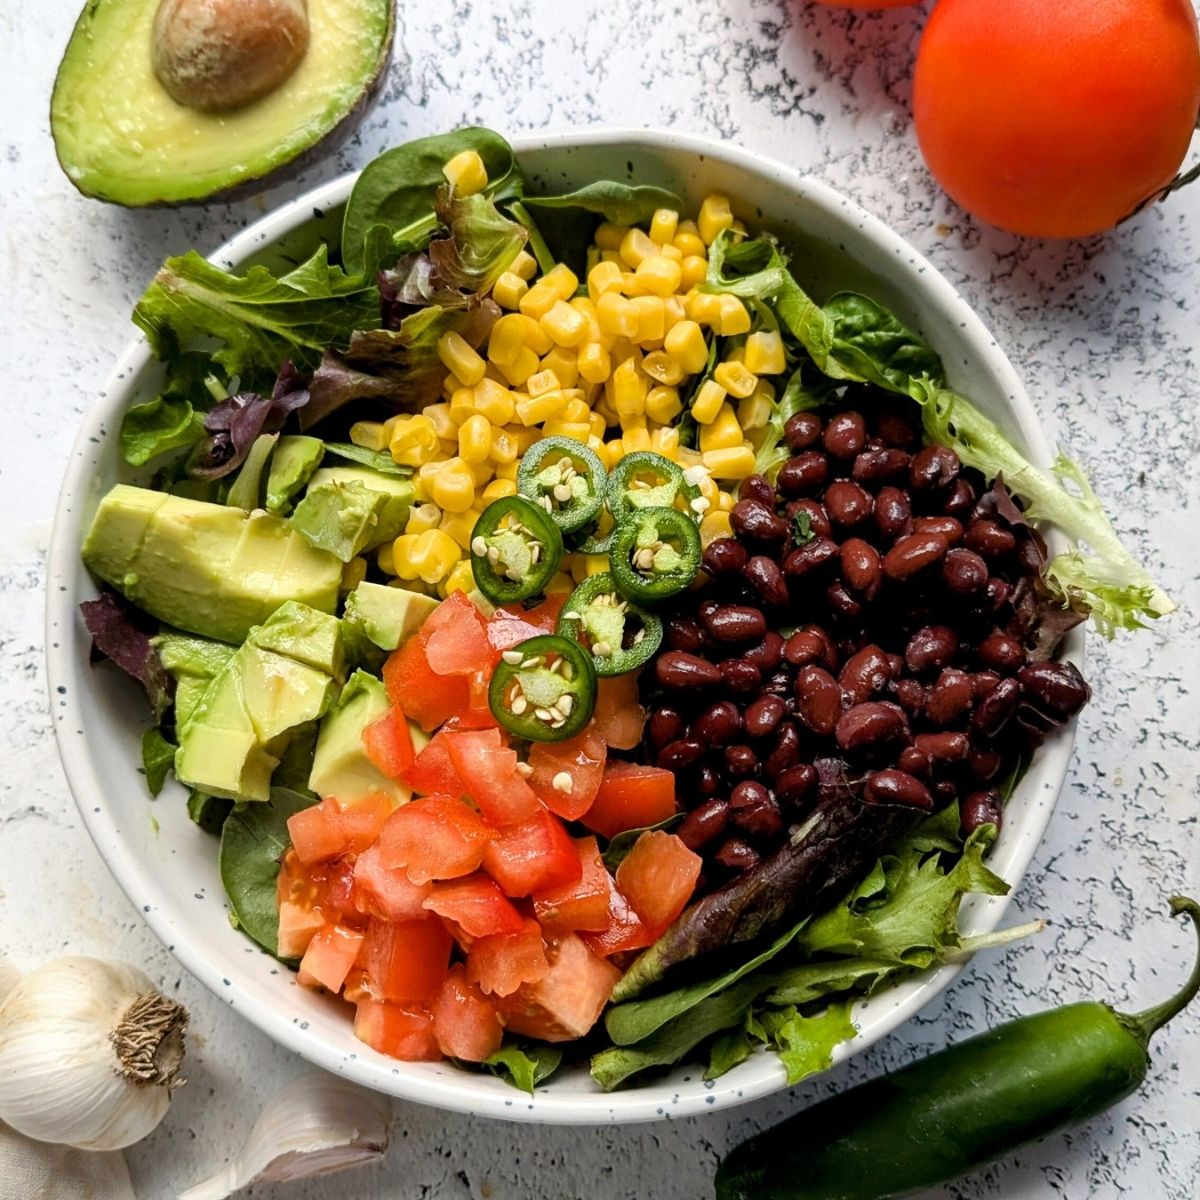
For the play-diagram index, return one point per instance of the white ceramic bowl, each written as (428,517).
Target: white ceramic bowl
(168,867)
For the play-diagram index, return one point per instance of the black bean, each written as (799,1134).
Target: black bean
(842,601)
(813,555)
(984,763)
(665,725)
(818,700)
(847,503)
(893,512)
(718,724)
(960,500)
(818,518)
(754,521)
(845,435)
(735,623)
(896,429)
(768,654)
(897,787)
(807,646)
(740,761)
(981,808)
(680,754)
(989,539)
(930,649)
(864,674)
(948,527)
(861,566)
(803,475)
(764,715)
(933,469)
(1001,652)
(910,695)
(766,578)
(784,754)
(685,634)
(796,785)
(914,761)
(801,431)
(704,823)
(994,710)
(913,553)
(874,467)
(868,726)
(737,855)
(964,572)
(943,747)
(754,811)
(725,556)
(949,699)
(676,669)
(741,677)
(708,780)
(757,487)
(1056,686)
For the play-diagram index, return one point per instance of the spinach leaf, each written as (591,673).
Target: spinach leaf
(385,464)
(809,982)
(524,1065)
(871,341)
(295,765)
(619,846)
(397,191)
(728,1051)
(158,757)
(620,203)
(209,812)
(254,839)
(259,319)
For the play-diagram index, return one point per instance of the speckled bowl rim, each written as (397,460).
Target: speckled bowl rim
(673,1096)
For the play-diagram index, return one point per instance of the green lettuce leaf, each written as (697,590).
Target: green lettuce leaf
(728,1050)
(524,1066)
(481,245)
(158,757)
(174,419)
(805,1045)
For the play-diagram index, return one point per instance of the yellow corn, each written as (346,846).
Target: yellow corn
(414,441)
(576,564)
(663,226)
(608,236)
(525,364)
(564,325)
(401,556)
(685,343)
(444,425)
(450,385)
(715,525)
(371,435)
(539,300)
(508,290)
(447,448)
(735,462)
(611,453)
(482,473)
(675,311)
(665,442)
(705,308)
(635,246)
(635,439)
(535,410)
(459,526)
(764,353)
(527,435)
(452,486)
(615,315)
(505,470)
(542,382)
(755,410)
(659,275)
(651,315)
(493,401)
(591,259)
(587,310)
(725,501)
(735,379)
(536,338)
(668,251)
(561,280)
(611,256)
(710,395)
(663,404)
(524,265)
(562,582)
(422,517)
(594,362)
(722,433)
(597,424)
(595,564)
(475,439)
(460,579)
(713,218)
(628,389)
(433,555)
(631,285)
(457,356)
(603,277)
(497,490)
(688,242)
(662,368)
(734,318)
(461,406)
(577,431)
(563,364)
(466,173)
(577,408)
(385,559)
(693,270)
(504,450)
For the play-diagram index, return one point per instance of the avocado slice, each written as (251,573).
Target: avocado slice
(387,616)
(339,518)
(192,662)
(205,568)
(295,459)
(121,137)
(396,490)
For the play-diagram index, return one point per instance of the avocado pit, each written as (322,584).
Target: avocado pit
(218,55)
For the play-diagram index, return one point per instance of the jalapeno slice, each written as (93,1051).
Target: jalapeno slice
(566,479)
(655,554)
(619,635)
(648,480)
(515,550)
(544,689)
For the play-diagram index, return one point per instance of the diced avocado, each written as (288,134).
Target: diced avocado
(388,616)
(192,662)
(341,767)
(205,568)
(397,491)
(246,489)
(300,632)
(281,693)
(340,518)
(294,461)
(219,750)
(120,135)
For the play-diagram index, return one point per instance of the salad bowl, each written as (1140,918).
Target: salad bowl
(165,863)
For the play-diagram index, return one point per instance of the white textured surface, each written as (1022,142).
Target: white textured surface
(1105,335)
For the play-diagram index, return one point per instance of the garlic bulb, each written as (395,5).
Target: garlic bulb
(89,1053)
(316,1125)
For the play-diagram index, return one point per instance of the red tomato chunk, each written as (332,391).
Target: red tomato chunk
(582,904)
(630,797)
(488,770)
(428,698)
(328,829)
(625,930)
(387,892)
(396,1031)
(388,743)
(619,717)
(658,877)
(532,856)
(581,760)
(330,956)
(502,963)
(405,960)
(456,640)
(568,999)
(465,1021)
(432,773)
(475,905)
(436,837)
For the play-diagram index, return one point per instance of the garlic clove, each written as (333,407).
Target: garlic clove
(316,1125)
(9,977)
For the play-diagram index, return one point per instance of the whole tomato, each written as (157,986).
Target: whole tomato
(1056,117)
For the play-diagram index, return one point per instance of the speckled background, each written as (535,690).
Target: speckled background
(1105,334)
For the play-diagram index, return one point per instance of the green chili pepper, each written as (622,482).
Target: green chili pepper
(620,635)
(515,550)
(648,480)
(566,479)
(544,689)
(655,554)
(957,1110)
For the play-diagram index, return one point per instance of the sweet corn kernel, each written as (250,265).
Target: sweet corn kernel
(635,439)
(497,490)
(564,363)
(676,256)
(461,579)
(587,310)
(371,435)
(597,424)
(562,582)
(594,362)
(576,564)
(710,395)
(504,450)
(447,448)
(596,445)
(353,573)
(628,389)
(596,564)
(662,368)
(505,470)
(461,406)
(535,410)
(414,441)
(665,442)
(714,216)
(493,401)
(609,236)
(736,462)
(434,555)
(565,326)
(705,308)
(737,355)
(466,173)
(675,311)
(612,453)
(631,285)
(475,439)
(524,265)
(527,435)
(422,517)
(519,371)
(591,258)
(450,385)
(663,226)
(663,404)
(577,431)
(689,243)
(685,343)
(481,473)
(621,349)
(651,315)
(539,300)
(713,526)
(739,228)
(693,270)
(764,353)
(707,486)
(722,433)
(725,501)
(577,409)
(451,485)
(612,256)
(615,315)
(561,280)
(459,526)
(536,338)
(735,318)
(755,410)
(542,382)
(635,246)
(659,275)
(444,425)
(401,556)
(385,560)
(735,379)
(508,290)
(457,356)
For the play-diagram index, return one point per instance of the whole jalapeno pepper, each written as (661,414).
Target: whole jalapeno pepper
(655,554)
(565,478)
(515,550)
(957,1110)
(544,689)
(620,635)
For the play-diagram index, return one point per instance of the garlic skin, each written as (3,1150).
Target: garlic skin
(89,1053)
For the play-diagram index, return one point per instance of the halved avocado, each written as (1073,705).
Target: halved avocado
(121,137)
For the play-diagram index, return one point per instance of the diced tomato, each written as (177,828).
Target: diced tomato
(310,897)
(532,856)
(579,905)
(501,963)
(619,717)
(568,1000)
(488,769)
(478,712)
(476,905)
(329,829)
(363,819)
(405,960)
(658,877)
(389,745)
(435,837)
(428,698)
(334,882)
(396,1031)
(630,797)
(625,930)
(329,957)
(465,1021)
(581,759)
(387,892)
(297,925)
(456,641)
(432,773)
(513,624)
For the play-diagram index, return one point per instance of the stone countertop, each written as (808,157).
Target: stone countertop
(1105,335)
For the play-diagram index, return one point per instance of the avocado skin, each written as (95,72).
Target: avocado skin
(287,169)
